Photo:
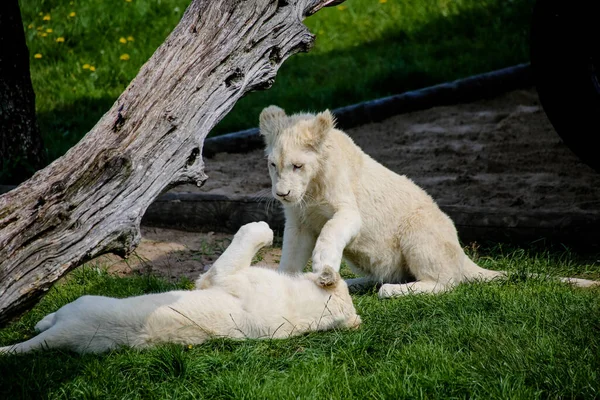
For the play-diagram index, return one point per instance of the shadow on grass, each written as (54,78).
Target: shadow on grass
(57,368)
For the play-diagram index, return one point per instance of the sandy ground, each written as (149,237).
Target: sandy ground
(494,153)
(500,153)
(173,254)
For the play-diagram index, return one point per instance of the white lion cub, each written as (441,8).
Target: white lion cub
(237,302)
(338,202)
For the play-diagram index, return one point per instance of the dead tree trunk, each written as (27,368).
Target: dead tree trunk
(91,200)
(21,149)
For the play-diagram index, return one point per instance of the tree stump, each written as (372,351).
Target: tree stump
(91,200)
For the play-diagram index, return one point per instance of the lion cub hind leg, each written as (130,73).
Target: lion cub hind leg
(245,244)
(45,323)
(239,254)
(432,256)
(48,339)
(394,290)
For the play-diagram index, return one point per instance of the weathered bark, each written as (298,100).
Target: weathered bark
(21,149)
(91,200)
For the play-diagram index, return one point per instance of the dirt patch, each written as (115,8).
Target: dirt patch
(500,154)
(497,153)
(173,254)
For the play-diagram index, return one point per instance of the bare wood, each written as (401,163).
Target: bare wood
(91,200)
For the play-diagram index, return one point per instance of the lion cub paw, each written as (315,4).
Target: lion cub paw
(257,233)
(328,277)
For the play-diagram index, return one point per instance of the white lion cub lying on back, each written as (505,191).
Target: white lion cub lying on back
(237,302)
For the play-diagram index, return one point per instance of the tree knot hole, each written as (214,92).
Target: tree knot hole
(193,156)
(275,56)
(234,78)
(307,43)
(264,85)
(119,120)
(41,201)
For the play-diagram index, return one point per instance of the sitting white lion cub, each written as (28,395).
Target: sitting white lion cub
(238,302)
(338,202)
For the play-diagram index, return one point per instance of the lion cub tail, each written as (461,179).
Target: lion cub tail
(473,271)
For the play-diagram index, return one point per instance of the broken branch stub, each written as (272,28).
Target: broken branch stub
(91,200)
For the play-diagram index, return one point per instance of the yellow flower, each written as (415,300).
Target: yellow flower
(49,30)
(39,28)
(44,34)
(128,1)
(383,1)
(190,346)
(124,57)
(37,55)
(130,38)
(122,40)
(60,39)
(47,17)
(92,68)
(86,66)
(341,8)
(72,14)
(30,26)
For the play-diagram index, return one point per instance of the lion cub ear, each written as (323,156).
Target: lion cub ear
(271,120)
(271,123)
(323,123)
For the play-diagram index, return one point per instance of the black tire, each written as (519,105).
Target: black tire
(565,58)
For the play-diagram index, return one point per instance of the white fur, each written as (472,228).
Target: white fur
(339,202)
(237,302)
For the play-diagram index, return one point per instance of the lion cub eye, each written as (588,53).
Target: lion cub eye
(296,166)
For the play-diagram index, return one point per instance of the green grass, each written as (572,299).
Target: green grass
(364,49)
(519,338)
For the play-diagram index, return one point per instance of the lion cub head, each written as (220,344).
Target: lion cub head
(293,146)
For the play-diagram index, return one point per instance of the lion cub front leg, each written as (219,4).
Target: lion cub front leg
(340,230)
(298,245)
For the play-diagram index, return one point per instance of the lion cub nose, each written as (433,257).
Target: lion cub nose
(283,194)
